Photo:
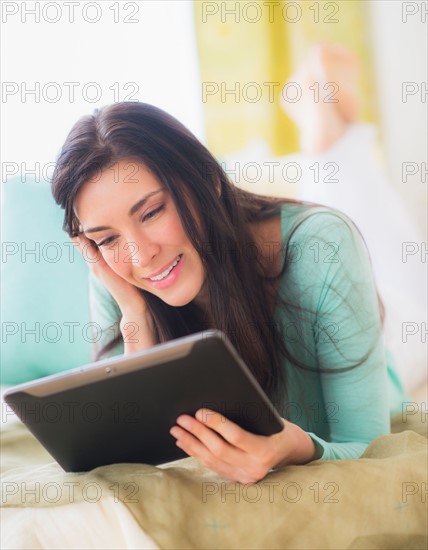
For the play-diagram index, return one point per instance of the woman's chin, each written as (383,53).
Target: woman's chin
(179,299)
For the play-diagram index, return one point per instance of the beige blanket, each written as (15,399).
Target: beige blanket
(377,501)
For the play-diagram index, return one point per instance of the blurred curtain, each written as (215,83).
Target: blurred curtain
(247,50)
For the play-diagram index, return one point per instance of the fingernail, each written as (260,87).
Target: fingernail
(200,415)
(174,432)
(205,415)
(184,422)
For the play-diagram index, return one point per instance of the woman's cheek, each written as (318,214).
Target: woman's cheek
(114,260)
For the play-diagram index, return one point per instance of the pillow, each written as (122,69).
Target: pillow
(44,293)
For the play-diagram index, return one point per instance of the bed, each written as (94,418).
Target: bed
(377,501)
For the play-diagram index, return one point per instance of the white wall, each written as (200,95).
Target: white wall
(399,40)
(157,52)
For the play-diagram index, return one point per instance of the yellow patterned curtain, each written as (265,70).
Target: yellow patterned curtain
(247,50)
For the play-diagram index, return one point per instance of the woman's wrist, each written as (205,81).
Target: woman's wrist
(299,448)
(137,332)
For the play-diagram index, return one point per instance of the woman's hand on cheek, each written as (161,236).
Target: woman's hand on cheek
(92,256)
(136,324)
(125,294)
(230,451)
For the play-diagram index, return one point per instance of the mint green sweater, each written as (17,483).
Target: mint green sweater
(331,322)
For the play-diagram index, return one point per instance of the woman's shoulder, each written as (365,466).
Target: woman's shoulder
(303,224)
(323,249)
(322,236)
(304,219)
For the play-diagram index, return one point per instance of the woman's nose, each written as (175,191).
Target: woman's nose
(140,254)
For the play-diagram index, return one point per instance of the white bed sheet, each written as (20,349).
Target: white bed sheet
(106,525)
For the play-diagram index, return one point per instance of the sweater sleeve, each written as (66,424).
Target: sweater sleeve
(334,280)
(105,317)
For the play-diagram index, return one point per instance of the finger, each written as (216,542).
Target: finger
(231,432)
(195,448)
(82,241)
(215,444)
(257,453)
(90,252)
(126,295)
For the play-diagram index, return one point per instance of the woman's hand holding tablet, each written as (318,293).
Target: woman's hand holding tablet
(239,455)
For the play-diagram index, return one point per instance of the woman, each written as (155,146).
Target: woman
(174,248)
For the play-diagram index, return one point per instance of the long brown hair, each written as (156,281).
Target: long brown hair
(239,287)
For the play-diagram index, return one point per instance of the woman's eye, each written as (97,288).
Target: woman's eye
(106,242)
(150,215)
(153,213)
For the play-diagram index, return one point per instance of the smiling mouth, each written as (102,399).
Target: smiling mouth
(167,271)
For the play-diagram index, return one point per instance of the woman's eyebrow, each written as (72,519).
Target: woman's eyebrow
(131,212)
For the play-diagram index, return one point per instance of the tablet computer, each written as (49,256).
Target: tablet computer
(121,409)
